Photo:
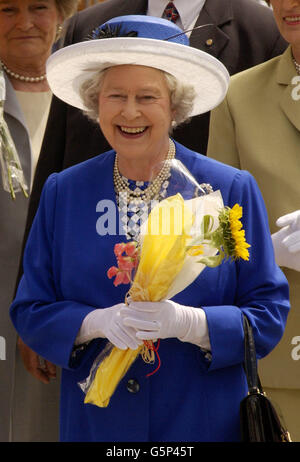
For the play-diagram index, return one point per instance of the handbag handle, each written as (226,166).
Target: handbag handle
(250,363)
(254,385)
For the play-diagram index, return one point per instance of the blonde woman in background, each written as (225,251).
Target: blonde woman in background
(28,31)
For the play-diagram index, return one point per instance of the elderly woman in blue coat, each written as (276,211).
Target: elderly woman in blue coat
(138,77)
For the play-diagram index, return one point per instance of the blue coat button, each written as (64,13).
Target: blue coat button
(133,386)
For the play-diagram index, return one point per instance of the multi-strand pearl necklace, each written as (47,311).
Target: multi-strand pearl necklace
(297,66)
(22,77)
(152,191)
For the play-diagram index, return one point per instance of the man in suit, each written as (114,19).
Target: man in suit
(240,33)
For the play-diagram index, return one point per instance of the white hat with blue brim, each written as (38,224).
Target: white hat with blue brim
(138,40)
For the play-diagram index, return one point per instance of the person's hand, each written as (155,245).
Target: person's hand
(108,323)
(286,241)
(40,368)
(167,319)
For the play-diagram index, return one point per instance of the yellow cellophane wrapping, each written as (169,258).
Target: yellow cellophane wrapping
(162,256)
(108,375)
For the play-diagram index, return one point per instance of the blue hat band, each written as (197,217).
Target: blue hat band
(142,27)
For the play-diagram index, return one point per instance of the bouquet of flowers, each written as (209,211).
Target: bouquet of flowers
(177,241)
(12,173)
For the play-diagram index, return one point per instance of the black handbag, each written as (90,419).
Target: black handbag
(258,417)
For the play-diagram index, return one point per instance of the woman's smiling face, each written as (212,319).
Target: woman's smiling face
(287,17)
(27,29)
(135,111)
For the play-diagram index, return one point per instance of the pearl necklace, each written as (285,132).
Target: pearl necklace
(22,77)
(297,66)
(154,187)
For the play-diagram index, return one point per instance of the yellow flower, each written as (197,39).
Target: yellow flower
(237,233)
(161,259)
(233,236)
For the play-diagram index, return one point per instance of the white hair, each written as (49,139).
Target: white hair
(181,96)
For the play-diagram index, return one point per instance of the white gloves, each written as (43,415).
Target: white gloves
(286,241)
(127,326)
(108,323)
(153,320)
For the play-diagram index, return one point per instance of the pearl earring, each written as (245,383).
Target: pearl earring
(59,29)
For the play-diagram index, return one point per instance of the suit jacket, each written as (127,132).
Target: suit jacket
(257,128)
(189,398)
(244,34)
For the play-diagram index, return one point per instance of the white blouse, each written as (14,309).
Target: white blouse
(35,107)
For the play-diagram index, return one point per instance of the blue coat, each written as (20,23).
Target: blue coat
(65,264)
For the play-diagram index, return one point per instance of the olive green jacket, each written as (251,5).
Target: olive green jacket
(257,128)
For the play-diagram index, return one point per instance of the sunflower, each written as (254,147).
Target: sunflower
(234,242)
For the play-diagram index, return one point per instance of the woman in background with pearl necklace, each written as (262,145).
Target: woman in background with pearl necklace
(28,30)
